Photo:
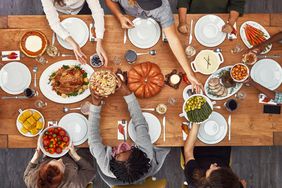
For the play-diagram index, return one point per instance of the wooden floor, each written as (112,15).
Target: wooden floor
(260,166)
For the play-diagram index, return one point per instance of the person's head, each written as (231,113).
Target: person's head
(130,165)
(216,177)
(60,2)
(51,174)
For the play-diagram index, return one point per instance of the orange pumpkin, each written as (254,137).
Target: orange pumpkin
(145,79)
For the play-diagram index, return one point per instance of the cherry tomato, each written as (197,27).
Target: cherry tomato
(59,150)
(56,131)
(51,150)
(62,133)
(65,138)
(46,142)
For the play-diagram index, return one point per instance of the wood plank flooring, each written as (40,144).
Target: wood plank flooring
(260,166)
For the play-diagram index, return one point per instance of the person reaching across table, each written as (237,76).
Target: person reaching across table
(208,166)
(52,8)
(260,47)
(160,11)
(124,164)
(275,96)
(233,7)
(73,171)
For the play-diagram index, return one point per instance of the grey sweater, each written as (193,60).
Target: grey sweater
(103,153)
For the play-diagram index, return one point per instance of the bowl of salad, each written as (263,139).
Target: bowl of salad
(54,141)
(197,108)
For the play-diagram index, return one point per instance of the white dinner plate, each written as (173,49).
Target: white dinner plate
(46,87)
(78,30)
(231,90)
(258,26)
(15,77)
(267,73)
(76,125)
(213,130)
(154,127)
(208,31)
(145,34)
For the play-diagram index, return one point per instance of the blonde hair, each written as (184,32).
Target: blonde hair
(132,2)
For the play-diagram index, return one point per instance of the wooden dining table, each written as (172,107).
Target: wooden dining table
(250,126)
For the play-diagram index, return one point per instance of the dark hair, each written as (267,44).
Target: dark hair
(49,176)
(221,178)
(59,2)
(134,168)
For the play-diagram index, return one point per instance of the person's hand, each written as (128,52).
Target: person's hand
(227,28)
(125,22)
(37,154)
(101,52)
(80,56)
(195,83)
(96,100)
(183,28)
(73,153)
(123,88)
(244,183)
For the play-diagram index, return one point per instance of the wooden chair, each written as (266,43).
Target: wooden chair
(149,183)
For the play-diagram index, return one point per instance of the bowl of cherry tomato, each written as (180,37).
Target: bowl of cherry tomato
(239,72)
(54,141)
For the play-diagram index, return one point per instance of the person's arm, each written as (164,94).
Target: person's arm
(99,24)
(275,38)
(178,51)
(32,166)
(270,94)
(86,171)
(190,143)
(143,140)
(55,24)
(182,6)
(53,19)
(236,9)
(96,147)
(125,22)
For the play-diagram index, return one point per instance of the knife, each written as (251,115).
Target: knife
(268,56)
(14,97)
(148,109)
(164,127)
(229,127)
(191,32)
(124,37)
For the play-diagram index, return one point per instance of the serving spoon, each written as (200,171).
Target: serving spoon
(35,70)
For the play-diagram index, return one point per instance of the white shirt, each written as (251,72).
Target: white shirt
(73,7)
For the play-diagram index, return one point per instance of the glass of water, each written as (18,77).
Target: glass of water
(42,60)
(40,104)
(117,60)
(172,101)
(237,49)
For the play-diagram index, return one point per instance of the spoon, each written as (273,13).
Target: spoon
(35,69)
(151,52)
(65,109)
(217,50)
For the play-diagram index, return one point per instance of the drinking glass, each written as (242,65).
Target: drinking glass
(231,105)
(42,60)
(85,108)
(172,101)
(28,92)
(117,60)
(237,49)
(40,104)
(240,95)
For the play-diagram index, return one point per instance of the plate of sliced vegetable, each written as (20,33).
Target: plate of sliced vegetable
(197,108)
(54,141)
(252,34)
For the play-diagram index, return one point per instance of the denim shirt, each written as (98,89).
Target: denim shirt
(163,14)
